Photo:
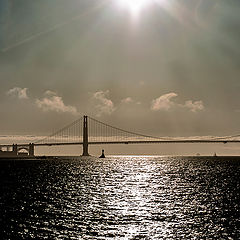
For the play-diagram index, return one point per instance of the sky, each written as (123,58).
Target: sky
(158,67)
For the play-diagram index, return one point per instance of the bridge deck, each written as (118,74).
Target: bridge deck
(128,142)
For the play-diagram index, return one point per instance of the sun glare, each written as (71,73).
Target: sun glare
(134,6)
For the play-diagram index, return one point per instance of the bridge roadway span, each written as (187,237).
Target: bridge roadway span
(128,142)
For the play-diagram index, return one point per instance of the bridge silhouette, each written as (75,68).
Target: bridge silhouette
(87,131)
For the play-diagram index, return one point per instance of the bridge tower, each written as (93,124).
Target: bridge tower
(85,136)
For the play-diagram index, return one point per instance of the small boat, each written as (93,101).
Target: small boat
(103,155)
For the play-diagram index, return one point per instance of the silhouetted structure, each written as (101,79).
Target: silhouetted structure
(86,130)
(103,155)
(31,149)
(85,136)
(14,150)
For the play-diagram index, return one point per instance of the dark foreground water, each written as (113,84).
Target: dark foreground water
(121,198)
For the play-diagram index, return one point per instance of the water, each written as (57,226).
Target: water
(121,198)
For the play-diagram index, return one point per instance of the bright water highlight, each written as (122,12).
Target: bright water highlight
(121,197)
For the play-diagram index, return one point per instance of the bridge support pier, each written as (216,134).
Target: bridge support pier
(31,149)
(15,149)
(85,136)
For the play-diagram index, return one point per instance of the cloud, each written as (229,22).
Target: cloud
(194,106)
(130,100)
(103,104)
(165,102)
(127,100)
(20,93)
(50,93)
(52,102)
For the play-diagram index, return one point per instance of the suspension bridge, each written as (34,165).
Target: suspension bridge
(86,131)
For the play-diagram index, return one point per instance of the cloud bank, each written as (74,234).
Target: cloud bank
(127,100)
(103,104)
(20,93)
(52,102)
(194,106)
(166,103)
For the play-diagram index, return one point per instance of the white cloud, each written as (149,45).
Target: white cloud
(194,106)
(20,93)
(50,93)
(130,100)
(52,102)
(164,102)
(103,103)
(127,100)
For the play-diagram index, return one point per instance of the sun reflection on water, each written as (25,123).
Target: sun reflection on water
(119,197)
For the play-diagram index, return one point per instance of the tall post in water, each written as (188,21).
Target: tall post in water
(85,136)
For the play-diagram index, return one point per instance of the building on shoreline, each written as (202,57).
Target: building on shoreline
(17,151)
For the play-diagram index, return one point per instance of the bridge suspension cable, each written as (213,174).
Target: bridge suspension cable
(100,132)
(227,137)
(72,132)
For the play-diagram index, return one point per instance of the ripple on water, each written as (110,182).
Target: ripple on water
(121,198)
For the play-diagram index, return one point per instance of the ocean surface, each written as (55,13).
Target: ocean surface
(120,197)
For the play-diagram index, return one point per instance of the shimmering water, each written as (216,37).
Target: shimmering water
(121,198)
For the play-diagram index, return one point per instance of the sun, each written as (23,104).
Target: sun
(134,6)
